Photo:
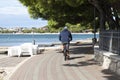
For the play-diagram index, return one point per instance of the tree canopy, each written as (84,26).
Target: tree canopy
(109,13)
(60,12)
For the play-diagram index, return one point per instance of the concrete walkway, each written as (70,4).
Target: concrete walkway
(51,66)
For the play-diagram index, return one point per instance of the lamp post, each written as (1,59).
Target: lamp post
(33,37)
(94,39)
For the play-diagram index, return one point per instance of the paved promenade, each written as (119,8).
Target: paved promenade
(51,66)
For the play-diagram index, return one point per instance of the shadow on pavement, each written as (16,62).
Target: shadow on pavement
(106,74)
(81,49)
(82,63)
(71,58)
(110,75)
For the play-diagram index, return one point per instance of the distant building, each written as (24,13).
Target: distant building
(44,28)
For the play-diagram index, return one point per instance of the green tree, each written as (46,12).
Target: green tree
(26,31)
(60,12)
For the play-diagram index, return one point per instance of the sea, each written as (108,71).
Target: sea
(15,39)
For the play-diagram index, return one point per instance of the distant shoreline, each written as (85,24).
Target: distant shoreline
(45,33)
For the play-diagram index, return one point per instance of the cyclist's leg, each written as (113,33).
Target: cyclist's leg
(64,48)
(67,47)
(65,51)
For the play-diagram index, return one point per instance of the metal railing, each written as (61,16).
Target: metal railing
(110,41)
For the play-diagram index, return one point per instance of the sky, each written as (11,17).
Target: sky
(14,14)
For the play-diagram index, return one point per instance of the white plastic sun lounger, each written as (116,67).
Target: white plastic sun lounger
(28,49)
(23,49)
(14,51)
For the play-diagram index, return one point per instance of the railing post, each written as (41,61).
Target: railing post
(94,40)
(33,42)
(111,41)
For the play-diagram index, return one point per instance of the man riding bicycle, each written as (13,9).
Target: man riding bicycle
(65,37)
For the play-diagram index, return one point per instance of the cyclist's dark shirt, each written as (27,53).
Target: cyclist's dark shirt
(65,36)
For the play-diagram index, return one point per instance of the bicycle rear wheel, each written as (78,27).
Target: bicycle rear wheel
(65,55)
(65,51)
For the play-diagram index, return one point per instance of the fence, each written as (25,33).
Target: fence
(110,41)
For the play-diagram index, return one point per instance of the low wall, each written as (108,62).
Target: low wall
(107,60)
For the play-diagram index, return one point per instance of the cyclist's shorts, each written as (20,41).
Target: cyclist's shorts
(67,45)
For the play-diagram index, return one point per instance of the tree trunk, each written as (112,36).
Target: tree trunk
(95,3)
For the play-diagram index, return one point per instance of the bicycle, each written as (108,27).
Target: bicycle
(65,51)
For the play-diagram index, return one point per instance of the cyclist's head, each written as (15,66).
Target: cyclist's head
(65,27)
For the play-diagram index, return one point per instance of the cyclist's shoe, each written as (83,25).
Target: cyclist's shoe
(65,58)
(68,57)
